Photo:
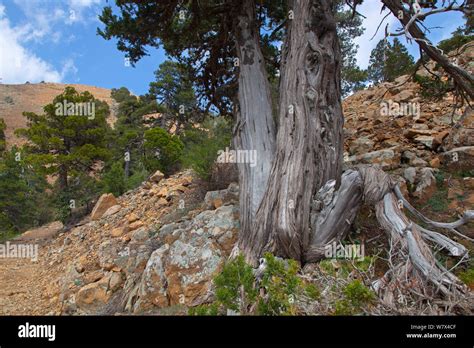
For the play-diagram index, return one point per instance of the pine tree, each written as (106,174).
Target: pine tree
(23,203)
(389,61)
(376,70)
(349,27)
(67,142)
(399,62)
(62,141)
(162,150)
(114,180)
(126,140)
(174,91)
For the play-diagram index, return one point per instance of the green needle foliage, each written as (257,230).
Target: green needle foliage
(389,61)
(23,203)
(276,292)
(162,150)
(66,144)
(201,145)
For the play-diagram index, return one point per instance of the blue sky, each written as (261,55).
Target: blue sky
(56,41)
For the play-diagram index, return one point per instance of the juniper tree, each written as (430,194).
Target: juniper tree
(297,199)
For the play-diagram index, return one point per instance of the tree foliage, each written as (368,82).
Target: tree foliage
(67,144)
(349,27)
(389,61)
(162,150)
(23,201)
(173,89)
(201,145)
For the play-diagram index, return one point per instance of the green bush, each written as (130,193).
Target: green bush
(202,144)
(433,88)
(137,177)
(439,201)
(234,276)
(76,198)
(162,150)
(114,180)
(23,201)
(456,41)
(356,295)
(468,277)
(281,286)
(212,309)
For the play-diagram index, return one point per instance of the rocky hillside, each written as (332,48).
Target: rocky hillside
(152,248)
(413,137)
(15,99)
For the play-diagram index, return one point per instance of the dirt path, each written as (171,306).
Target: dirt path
(25,288)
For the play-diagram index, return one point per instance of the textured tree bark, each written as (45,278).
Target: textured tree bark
(309,140)
(462,78)
(333,212)
(255,129)
(63,182)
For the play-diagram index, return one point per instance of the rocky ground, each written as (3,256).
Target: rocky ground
(156,249)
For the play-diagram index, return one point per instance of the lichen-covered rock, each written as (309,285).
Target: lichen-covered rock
(459,158)
(181,272)
(387,158)
(216,199)
(426,184)
(93,297)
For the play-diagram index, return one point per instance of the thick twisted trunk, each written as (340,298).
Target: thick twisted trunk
(255,129)
(309,140)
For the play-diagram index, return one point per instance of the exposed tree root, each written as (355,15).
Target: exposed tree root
(413,267)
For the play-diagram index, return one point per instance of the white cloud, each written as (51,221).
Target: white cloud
(45,19)
(18,64)
(371,10)
(68,68)
(80,11)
